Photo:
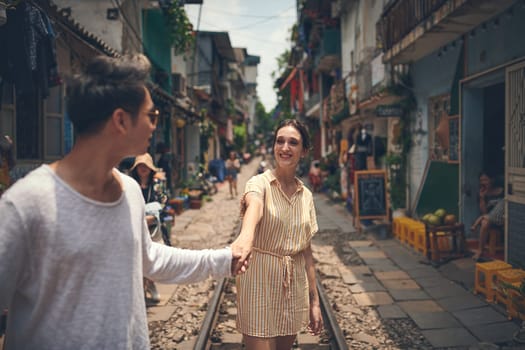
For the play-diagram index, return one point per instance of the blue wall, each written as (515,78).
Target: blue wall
(431,76)
(499,44)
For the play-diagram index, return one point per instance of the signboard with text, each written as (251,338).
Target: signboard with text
(389,111)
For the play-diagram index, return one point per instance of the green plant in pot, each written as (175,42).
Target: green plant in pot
(397,180)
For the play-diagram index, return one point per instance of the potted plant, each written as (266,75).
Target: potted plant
(180,29)
(397,181)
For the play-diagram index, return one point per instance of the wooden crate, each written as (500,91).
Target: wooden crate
(485,277)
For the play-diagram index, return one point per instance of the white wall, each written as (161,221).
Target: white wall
(348,42)
(250,74)
(178,64)
(91,14)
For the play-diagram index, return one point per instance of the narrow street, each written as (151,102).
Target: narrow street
(383,296)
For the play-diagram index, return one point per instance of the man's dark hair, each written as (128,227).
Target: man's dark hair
(106,84)
(299,126)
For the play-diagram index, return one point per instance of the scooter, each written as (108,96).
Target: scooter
(157,230)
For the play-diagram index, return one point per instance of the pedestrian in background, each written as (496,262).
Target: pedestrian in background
(277,296)
(232,165)
(7,162)
(145,172)
(164,162)
(74,244)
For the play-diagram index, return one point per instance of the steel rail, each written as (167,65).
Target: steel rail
(202,341)
(337,339)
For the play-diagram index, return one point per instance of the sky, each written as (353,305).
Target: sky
(260,26)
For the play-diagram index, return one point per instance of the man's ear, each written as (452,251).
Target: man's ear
(120,119)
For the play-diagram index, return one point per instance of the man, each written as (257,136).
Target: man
(74,244)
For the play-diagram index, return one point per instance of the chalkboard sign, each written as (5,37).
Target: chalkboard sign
(370,194)
(453,139)
(439,188)
(389,111)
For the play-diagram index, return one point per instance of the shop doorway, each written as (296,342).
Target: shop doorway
(483,140)
(515,165)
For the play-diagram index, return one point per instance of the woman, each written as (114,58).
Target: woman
(278,297)
(314,175)
(232,166)
(146,174)
(491,205)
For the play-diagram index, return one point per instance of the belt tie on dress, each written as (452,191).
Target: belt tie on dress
(287,261)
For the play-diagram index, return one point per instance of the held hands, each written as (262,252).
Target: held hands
(241,251)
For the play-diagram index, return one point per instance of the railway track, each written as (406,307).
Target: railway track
(217,329)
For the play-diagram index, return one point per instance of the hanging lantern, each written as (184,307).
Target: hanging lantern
(179,122)
(3,14)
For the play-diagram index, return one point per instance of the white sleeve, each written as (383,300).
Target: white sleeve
(13,251)
(175,265)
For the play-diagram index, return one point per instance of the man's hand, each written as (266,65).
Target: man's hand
(237,266)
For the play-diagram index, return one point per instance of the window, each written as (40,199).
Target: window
(438,109)
(7,111)
(54,123)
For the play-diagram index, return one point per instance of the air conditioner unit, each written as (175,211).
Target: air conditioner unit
(178,83)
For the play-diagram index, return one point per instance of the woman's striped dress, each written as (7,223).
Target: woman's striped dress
(272,296)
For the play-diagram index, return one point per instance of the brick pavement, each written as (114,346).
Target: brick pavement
(396,281)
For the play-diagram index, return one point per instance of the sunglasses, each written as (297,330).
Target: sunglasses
(154,116)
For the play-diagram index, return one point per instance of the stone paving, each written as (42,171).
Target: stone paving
(439,300)
(394,279)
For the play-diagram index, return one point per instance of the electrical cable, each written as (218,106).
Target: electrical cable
(241,14)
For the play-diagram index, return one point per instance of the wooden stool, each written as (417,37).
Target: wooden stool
(495,244)
(516,304)
(509,277)
(411,233)
(445,242)
(420,243)
(396,226)
(485,275)
(403,237)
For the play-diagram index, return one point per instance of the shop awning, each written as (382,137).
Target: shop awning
(289,78)
(342,115)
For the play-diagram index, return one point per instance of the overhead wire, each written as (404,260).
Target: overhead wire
(241,14)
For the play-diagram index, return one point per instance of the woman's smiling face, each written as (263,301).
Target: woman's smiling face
(288,146)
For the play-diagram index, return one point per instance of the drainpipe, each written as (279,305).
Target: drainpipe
(321,116)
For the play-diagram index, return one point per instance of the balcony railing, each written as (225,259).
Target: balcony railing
(400,17)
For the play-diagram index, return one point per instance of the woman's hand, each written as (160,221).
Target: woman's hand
(241,251)
(316,320)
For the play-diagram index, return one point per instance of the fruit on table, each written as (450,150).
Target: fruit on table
(425,217)
(450,219)
(440,212)
(434,220)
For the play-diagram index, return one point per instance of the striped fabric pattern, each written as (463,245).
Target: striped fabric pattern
(272,296)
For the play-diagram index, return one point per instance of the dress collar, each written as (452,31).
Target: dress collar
(271,178)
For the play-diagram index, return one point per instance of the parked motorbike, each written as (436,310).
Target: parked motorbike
(206,183)
(159,229)
(263,166)
(163,219)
